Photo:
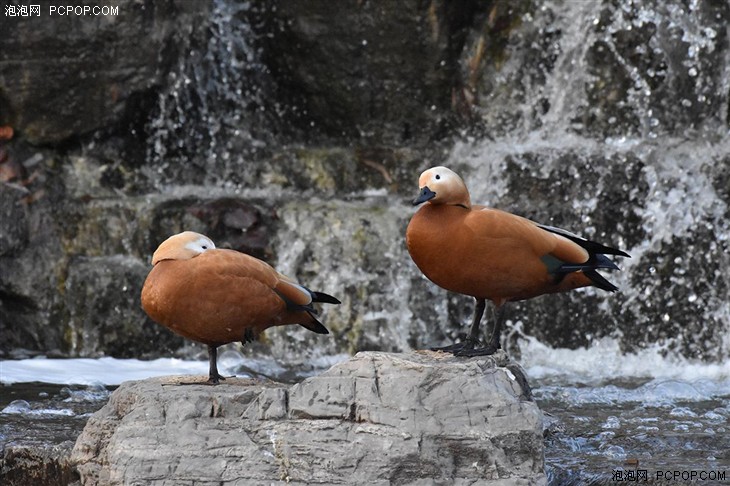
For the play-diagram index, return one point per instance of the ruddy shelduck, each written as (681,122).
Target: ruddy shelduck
(215,296)
(494,255)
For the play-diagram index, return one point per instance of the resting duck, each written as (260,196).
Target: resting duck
(216,296)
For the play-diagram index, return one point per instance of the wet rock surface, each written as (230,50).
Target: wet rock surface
(15,221)
(110,286)
(37,464)
(378,419)
(39,424)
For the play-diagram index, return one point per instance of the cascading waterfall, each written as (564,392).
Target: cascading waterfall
(663,183)
(209,115)
(612,133)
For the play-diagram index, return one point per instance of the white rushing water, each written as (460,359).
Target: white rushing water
(112,372)
(578,376)
(105,371)
(603,374)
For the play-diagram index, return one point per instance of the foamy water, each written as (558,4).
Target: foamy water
(605,361)
(603,374)
(598,374)
(112,372)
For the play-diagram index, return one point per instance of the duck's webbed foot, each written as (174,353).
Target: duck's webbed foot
(483,351)
(457,348)
(212,380)
(214,377)
(472,341)
(494,341)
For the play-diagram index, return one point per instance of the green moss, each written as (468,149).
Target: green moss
(316,168)
(354,334)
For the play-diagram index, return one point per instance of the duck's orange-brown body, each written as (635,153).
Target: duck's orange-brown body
(490,254)
(217,296)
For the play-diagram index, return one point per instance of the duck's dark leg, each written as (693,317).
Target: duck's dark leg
(479,307)
(213,376)
(472,340)
(494,341)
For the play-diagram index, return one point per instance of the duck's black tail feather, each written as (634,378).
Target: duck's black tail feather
(315,325)
(324,298)
(597,259)
(321,297)
(599,281)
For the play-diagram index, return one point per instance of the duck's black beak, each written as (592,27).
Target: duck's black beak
(423,196)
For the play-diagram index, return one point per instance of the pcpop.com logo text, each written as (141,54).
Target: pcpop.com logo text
(61,10)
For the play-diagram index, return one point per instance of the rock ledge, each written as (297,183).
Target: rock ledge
(379,418)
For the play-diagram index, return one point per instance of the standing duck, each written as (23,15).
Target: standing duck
(216,296)
(494,255)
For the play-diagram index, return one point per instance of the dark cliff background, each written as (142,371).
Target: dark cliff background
(296,131)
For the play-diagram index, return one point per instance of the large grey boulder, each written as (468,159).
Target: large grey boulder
(379,418)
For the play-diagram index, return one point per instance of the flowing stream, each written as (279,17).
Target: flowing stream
(641,413)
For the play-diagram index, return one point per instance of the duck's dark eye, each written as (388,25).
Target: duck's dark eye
(205,247)
(438,177)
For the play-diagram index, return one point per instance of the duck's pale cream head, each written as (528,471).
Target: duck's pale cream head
(182,246)
(440,185)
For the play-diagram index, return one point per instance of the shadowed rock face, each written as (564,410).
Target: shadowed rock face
(66,75)
(38,464)
(297,134)
(395,418)
(393,71)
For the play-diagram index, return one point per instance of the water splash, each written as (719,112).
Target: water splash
(604,145)
(212,110)
(22,407)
